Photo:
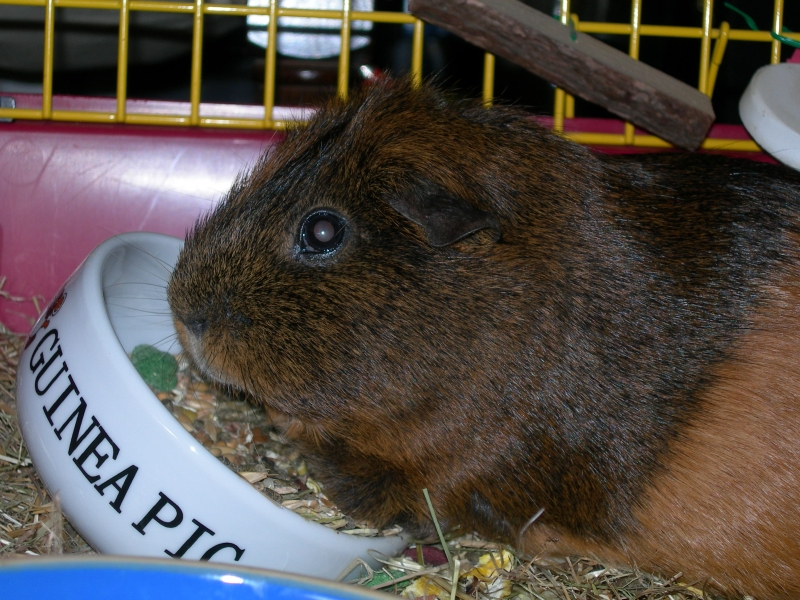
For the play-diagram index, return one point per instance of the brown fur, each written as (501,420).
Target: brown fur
(516,323)
(729,503)
(724,510)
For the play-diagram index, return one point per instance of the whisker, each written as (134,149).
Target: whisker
(166,338)
(167,267)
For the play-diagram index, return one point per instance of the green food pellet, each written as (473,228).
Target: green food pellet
(158,369)
(383,577)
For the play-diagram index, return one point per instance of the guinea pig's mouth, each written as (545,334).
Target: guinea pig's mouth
(193,345)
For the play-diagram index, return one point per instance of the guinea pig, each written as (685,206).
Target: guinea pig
(430,294)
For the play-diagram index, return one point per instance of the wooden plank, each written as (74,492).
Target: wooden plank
(583,66)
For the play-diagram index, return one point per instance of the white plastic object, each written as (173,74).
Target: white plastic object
(294,42)
(127,475)
(770,110)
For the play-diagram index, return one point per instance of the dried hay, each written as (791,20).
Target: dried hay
(30,521)
(31,524)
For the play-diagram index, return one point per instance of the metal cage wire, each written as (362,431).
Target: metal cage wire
(710,58)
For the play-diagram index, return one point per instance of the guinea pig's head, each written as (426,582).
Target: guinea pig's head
(341,275)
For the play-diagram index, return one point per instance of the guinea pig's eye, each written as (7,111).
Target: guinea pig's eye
(322,232)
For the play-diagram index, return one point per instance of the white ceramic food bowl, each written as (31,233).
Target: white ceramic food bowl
(128,476)
(770,110)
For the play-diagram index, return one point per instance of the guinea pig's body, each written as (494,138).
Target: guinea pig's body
(433,295)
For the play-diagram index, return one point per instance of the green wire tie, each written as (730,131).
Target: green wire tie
(752,25)
(573,32)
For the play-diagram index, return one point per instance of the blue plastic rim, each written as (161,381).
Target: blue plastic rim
(98,578)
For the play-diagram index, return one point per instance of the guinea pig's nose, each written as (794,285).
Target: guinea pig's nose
(197,325)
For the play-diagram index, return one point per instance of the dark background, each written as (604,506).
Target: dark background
(233,67)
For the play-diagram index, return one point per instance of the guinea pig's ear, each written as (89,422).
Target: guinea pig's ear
(445,217)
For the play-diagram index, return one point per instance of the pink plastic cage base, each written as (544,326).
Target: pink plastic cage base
(64,188)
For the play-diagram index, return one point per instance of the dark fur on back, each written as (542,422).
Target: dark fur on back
(555,367)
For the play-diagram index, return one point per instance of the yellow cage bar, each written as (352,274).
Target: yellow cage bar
(713,42)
